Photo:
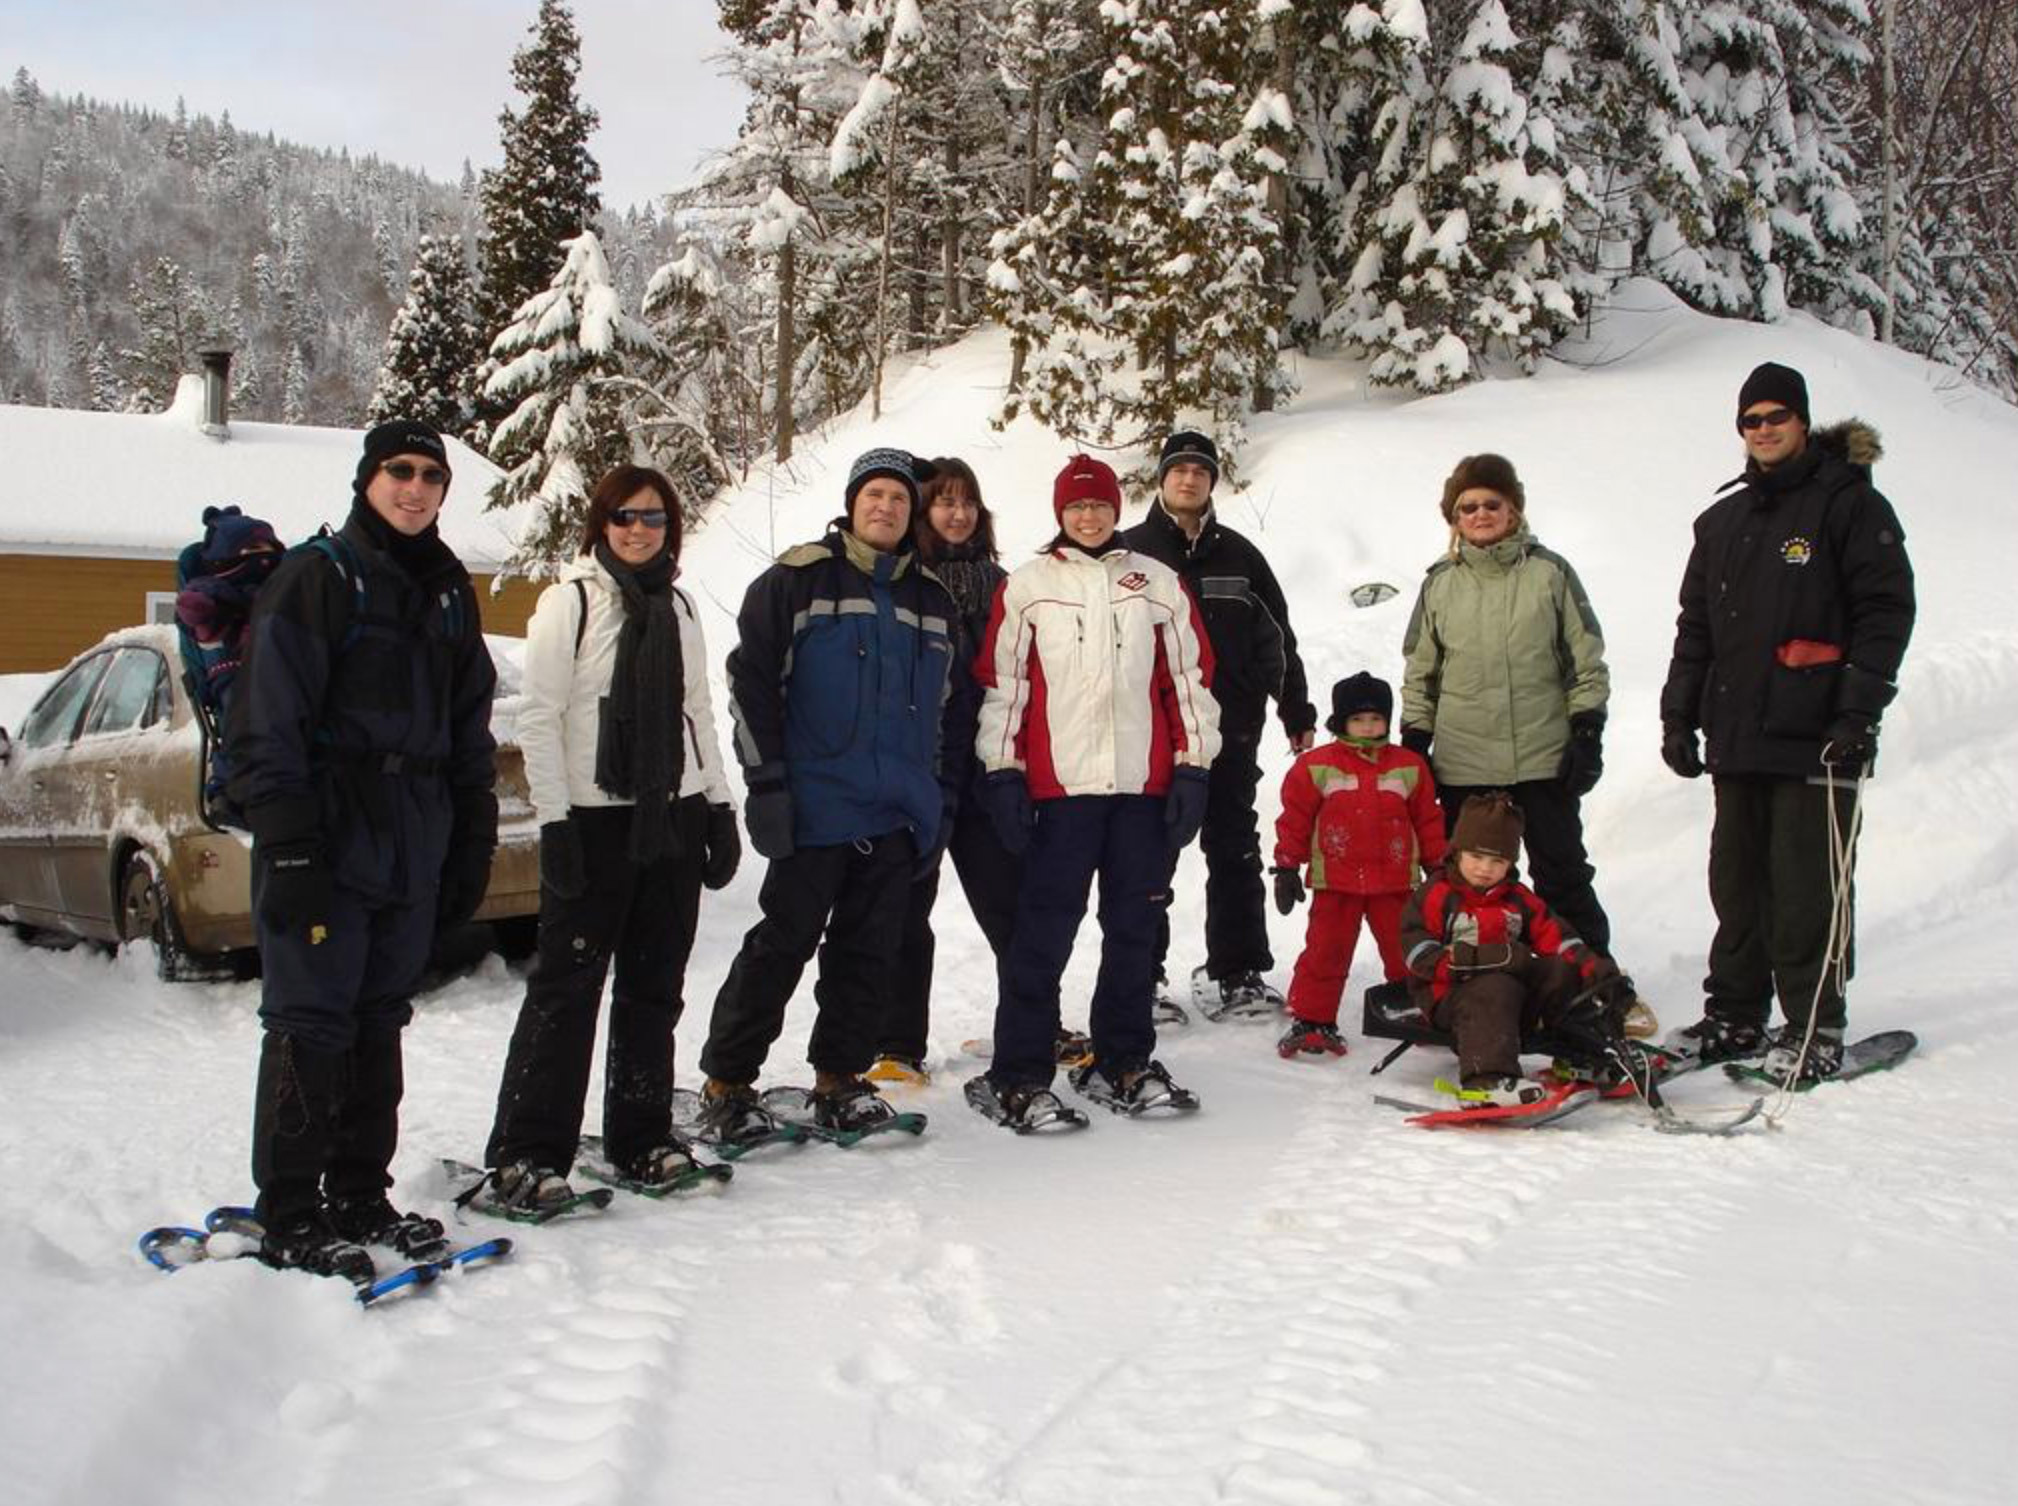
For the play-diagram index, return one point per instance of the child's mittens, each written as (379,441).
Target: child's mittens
(1425,960)
(1502,956)
(1288,890)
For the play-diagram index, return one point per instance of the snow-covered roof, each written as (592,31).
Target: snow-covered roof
(136,484)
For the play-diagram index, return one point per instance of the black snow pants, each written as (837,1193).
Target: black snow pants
(1236,900)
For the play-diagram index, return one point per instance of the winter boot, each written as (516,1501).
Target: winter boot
(841,1101)
(1500,1092)
(1133,1088)
(306,1242)
(663,1165)
(900,1072)
(374,1221)
(526,1190)
(1164,1009)
(293,1128)
(1074,1048)
(1025,1108)
(1237,996)
(367,1118)
(1716,1039)
(732,1114)
(1310,1038)
(1821,1060)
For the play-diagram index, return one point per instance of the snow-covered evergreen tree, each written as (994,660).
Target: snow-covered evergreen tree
(1453,228)
(544,194)
(562,365)
(171,314)
(432,350)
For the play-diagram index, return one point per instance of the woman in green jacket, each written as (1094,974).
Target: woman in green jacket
(1506,683)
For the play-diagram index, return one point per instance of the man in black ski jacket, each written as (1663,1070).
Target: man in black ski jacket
(362,754)
(1254,659)
(1797,603)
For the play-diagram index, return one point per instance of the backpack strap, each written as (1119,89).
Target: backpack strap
(339,554)
(582,620)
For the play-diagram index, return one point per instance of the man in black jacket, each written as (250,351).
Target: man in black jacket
(361,744)
(1254,658)
(1796,606)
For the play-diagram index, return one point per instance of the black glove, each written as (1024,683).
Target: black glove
(1584,759)
(465,875)
(721,847)
(1850,742)
(767,811)
(1005,795)
(563,869)
(1416,740)
(1678,750)
(1288,890)
(1184,806)
(295,890)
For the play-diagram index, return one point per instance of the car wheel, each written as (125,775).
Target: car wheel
(145,914)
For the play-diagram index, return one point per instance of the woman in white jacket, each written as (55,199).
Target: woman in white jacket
(626,777)
(1097,730)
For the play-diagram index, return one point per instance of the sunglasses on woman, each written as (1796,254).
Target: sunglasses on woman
(1773,416)
(406,470)
(624,517)
(1493,504)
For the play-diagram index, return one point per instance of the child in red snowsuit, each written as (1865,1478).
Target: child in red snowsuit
(1362,814)
(1487,959)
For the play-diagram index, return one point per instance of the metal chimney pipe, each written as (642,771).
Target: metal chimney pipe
(216,361)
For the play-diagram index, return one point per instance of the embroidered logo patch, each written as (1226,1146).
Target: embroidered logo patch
(1134,580)
(1797,551)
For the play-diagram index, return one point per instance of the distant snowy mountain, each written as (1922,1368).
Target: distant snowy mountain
(1292,1298)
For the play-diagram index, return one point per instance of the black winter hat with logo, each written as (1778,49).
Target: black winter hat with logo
(394,438)
(1188,447)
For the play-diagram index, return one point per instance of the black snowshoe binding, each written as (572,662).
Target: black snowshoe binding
(374,1221)
(1163,1007)
(1792,1054)
(668,1165)
(850,1106)
(1074,1048)
(523,1190)
(1135,1090)
(1714,1039)
(308,1243)
(1026,1109)
(731,1119)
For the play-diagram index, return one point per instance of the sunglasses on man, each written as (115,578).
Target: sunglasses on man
(1773,416)
(624,517)
(406,470)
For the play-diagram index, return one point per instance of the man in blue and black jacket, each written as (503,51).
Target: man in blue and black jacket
(360,741)
(854,724)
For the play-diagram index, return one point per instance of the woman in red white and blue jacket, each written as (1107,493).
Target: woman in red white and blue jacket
(1097,730)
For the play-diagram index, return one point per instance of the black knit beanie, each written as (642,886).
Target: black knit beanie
(396,437)
(1774,383)
(899,465)
(1188,447)
(1357,693)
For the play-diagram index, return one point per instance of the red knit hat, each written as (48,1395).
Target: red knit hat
(1084,479)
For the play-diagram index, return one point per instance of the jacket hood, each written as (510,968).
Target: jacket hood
(1851,440)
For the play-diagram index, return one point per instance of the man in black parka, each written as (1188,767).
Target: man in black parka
(1797,603)
(1254,660)
(360,736)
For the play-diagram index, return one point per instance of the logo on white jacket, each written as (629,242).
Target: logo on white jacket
(1134,580)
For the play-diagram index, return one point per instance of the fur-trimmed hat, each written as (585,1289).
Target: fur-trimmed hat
(394,438)
(1493,472)
(1491,824)
(1357,693)
(1188,447)
(899,465)
(1085,479)
(1774,383)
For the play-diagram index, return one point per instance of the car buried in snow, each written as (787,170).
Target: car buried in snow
(105,833)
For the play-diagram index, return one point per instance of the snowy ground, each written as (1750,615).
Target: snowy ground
(1293,1298)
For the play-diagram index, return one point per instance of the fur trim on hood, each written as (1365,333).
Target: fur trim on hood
(1852,440)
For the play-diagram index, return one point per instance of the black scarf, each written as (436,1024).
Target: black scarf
(970,574)
(640,754)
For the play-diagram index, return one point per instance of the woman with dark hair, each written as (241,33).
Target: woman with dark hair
(627,779)
(955,535)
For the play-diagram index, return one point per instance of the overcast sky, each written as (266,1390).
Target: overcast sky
(417,82)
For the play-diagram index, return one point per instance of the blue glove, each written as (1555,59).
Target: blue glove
(1005,795)
(1184,806)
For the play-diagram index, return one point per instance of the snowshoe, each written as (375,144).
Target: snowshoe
(1164,1009)
(1238,996)
(899,1072)
(1550,1106)
(1025,1110)
(659,1172)
(1792,1052)
(1714,1039)
(525,1193)
(374,1221)
(1310,1038)
(1874,1053)
(1134,1090)
(731,1120)
(308,1243)
(1497,1092)
(844,1115)
(1075,1048)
